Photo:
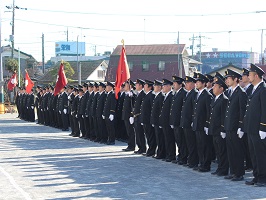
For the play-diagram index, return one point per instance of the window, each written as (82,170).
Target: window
(101,73)
(130,66)
(145,66)
(161,66)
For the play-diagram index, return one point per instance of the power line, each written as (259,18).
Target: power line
(149,15)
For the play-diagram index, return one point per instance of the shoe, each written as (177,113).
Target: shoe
(196,168)
(214,173)
(237,178)
(251,182)
(182,162)
(174,161)
(149,155)
(75,135)
(230,176)
(103,142)
(260,184)
(204,169)
(62,129)
(158,157)
(110,143)
(221,174)
(192,166)
(71,134)
(139,152)
(97,140)
(127,149)
(248,169)
(168,160)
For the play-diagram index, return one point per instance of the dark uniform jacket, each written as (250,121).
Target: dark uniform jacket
(63,103)
(94,104)
(110,105)
(156,109)
(119,105)
(176,107)
(201,114)
(137,104)
(187,109)
(217,115)
(249,90)
(146,108)
(255,118)
(89,103)
(75,105)
(128,105)
(164,116)
(30,100)
(100,104)
(235,110)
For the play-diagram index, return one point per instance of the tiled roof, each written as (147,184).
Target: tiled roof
(153,49)
(87,67)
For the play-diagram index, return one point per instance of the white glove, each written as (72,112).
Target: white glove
(160,127)
(152,125)
(262,135)
(82,116)
(47,108)
(206,130)
(111,117)
(172,126)
(27,107)
(103,117)
(131,120)
(223,135)
(65,111)
(192,124)
(76,116)
(141,124)
(32,107)
(87,115)
(240,133)
(59,111)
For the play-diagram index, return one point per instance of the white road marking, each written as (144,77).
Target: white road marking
(13,182)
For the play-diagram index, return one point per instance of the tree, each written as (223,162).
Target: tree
(11,65)
(69,71)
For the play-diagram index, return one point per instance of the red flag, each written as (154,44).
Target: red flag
(12,82)
(28,83)
(61,81)
(122,73)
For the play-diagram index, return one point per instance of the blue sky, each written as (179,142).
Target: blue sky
(226,25)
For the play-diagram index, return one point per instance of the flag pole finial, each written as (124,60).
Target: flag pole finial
(123,42)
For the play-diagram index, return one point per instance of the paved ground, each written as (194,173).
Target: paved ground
(39,162)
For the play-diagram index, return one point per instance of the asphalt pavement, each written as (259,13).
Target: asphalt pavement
(40,162)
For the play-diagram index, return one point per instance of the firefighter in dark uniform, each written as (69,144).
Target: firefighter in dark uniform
(30,107)
(36,104)
(81,111)
(210,83)
(17,101)
(54,104)
(168,132)
(186,122)
(63,107)
(155,113)
(216,127)
(50,105)
(93,110)
(127,116)
(71,97)
(255,126)
(41,121)
(86,115)
(175,116)
(109,112)
(90,132)
(248,87)
(145,118)
(121,133)
(201,122)
(102,135)
(233,126)
(140,137)
(74,113)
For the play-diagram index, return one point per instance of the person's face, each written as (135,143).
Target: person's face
(101,88)
(138,87)
(90,89)
(166,88)
(157,88)
(84,89)
(176,86)
(127,87)
(95,88)
(108,88)
(147,88)
(209,85)
(189,86)
(217,89)
(245,79)
(80,93)
(200,85)
(229,81)
(252,76)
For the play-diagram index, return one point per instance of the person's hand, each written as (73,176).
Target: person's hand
(172,126)
(131,120)
(65,111)
(240,133)
(206,130)
(111,117)
(103,117)
(262,135)
(223,135)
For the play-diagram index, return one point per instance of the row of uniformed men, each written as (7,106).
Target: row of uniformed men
(229,117)
(25,104)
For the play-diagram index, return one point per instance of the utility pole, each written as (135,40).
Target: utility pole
(178,57)
(78,66)
(262,53)
(43,53)
(2,105)
(67,34)
(13,25)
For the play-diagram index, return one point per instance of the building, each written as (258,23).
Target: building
(90,71)
(217,59)
(222,70)
(151,62)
